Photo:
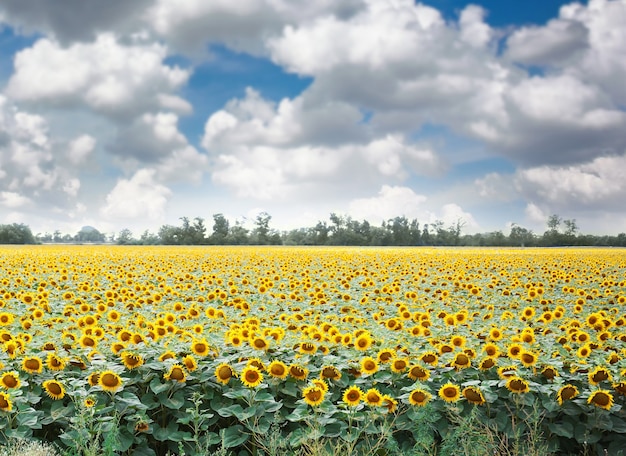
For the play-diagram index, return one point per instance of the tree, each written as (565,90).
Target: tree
(220,230)
(125,237)
(16,233)
(89,234)
(521,236)
(261,232)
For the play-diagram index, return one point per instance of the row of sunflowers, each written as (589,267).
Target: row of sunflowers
(183,349)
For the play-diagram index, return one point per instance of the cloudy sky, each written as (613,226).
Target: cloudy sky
(134,113)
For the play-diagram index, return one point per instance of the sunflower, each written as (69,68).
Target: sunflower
(55,362)
(390,403)
(566,393)
(109,381)
(419,397)
(352,396)
(491,349)
(399,365)
(251,376)
(373,397)
(131,360)
(298,372)
(177,373)
(430,357)
(473,395)
(89,402)
(487,363)
(32,365)
(200,347)
(550,372)
(278,369)
(584,351)
(517,385)
(330,372)
(313,395)
(5,402)
(458,341)
(461,361)
(602,399)
(495,334)
(256,362)
(308,348)
(620,388)
(505,372)
(598,375)
(363,342)
(386,355)
(450,392)
(528,358)
(320,384)
(260,343)
(223,373)
(514,350)
(10,380)
(87,341)
(190,363)
(418,373)
(369,365)
(54,389)
(168,354)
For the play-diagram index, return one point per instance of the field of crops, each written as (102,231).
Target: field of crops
(154,350)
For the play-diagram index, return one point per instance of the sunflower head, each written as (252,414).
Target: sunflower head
(330,373)
(131,360)
(223,373)
(54,389)
(10,380)
(373,397)
(473,395)
(369,365)
(298,372)
(450,392)
(602,399)
(176,373)
(278,369)
(399,365)
(517,385)
(251,376)
(5,402)
(420,373)
(32,365)
(313,395)
(419,397)
(190,363)
(599,375)
(566,393)
(352,396)
(109,381)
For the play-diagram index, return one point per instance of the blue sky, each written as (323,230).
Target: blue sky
(133,114)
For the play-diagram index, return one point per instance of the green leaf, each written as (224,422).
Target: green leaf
(233,436)
(175,402)
(234,409)
(563,429)
(300,413)
(157,387)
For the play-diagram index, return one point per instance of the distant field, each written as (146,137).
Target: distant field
(194,349)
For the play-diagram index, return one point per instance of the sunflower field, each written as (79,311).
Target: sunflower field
(157,350)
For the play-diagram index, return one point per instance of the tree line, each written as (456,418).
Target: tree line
(340,230)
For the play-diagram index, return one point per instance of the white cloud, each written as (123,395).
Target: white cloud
(393,201)
(241,25)
(108,77)
(555,43)
(80,148)
(13,200)
(140,198)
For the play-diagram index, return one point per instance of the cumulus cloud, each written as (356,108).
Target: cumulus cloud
(80,148)
(33,171)
(111,78)
(267,150)
(393,201)
(241,25)
(140,198)
(87,17)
